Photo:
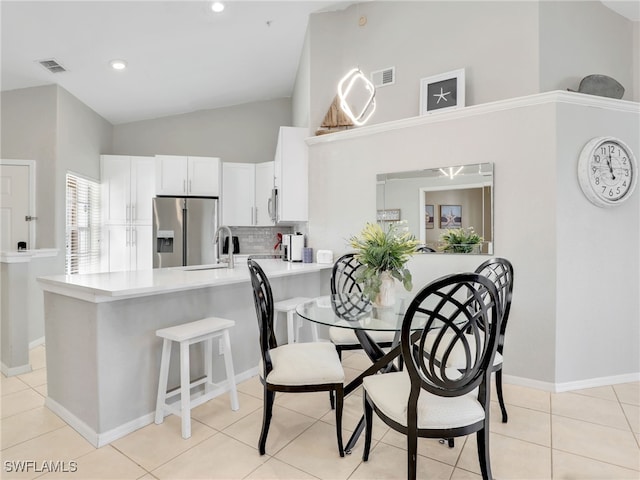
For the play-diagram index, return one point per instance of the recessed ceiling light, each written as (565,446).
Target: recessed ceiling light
(217,7)
(118,64)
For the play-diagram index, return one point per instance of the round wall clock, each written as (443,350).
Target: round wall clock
(607,171)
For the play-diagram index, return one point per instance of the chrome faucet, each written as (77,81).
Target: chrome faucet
(217,239)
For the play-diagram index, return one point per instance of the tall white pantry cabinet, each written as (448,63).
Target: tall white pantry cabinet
(128,188)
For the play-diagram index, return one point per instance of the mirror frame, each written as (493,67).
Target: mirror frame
(444,179)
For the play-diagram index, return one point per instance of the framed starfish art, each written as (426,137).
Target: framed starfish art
(442,92)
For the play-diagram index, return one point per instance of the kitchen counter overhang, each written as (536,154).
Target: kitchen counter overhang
(103,356)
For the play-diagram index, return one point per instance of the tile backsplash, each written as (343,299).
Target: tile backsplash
(259,239)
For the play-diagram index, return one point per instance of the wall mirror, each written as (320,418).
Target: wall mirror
(433,201)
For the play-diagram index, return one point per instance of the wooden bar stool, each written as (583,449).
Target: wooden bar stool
(187,334)
(288,307)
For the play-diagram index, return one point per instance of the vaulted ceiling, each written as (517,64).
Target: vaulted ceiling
(181,56)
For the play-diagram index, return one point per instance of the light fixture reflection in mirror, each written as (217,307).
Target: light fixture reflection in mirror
(432,200)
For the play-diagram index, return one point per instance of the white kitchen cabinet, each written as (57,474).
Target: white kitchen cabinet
(128,187)
(246,188)
(291,175)
(126,247)
(264,186)
(188,176)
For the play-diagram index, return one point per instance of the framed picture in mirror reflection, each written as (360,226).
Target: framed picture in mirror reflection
(429,217)
(450,216)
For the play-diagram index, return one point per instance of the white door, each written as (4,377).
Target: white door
(14,206)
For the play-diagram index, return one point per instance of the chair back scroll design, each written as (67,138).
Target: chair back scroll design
(456,309)
(500,272)
(347,300)
(263,299)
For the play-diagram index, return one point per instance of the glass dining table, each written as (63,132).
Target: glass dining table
(358,314)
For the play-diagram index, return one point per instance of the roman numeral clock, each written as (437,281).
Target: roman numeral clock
(607,171)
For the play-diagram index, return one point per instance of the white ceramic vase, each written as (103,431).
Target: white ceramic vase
(387,295)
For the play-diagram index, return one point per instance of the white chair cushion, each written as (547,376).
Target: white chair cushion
(289,304)
(311,363)
(457,358)
(346,336)
(390,393)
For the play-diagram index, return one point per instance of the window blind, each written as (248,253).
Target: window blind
(83,231)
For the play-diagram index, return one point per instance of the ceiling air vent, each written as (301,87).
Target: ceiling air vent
(382,78)
(52,65)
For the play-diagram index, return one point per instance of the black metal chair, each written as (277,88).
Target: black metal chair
(295,367)
(344,284)
(429,399)
(500,272)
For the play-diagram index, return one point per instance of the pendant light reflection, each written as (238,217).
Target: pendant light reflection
(346,86)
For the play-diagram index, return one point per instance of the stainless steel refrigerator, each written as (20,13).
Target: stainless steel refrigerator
(183,231)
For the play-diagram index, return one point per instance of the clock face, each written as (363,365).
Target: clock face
(607,171)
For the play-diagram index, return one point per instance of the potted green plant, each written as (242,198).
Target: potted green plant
(384,255)
(461,240)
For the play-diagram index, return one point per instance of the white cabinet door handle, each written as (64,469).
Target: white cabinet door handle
(189,186)
(184,186)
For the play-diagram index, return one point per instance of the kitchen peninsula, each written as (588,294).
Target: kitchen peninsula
(103,357)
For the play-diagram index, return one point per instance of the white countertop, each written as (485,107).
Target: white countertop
(107,287)
(23,256)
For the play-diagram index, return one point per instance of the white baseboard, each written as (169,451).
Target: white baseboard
(569,386)
(101,439)
(36,343)
(74,422)
(12,371)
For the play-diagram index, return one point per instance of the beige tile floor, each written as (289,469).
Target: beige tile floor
(586,434)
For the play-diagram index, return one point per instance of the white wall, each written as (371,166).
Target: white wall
(301,97)
(497,43)
(598,254)
(241,133)
(509,49)
(600,41)
(82,135)
(533,176)
(29,133)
